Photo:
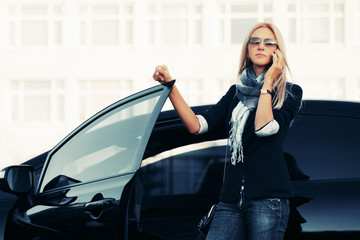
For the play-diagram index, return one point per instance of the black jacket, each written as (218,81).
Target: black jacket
(264,168)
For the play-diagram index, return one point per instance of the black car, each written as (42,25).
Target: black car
(133,172)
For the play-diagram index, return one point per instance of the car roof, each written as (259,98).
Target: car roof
(331,107)
(309,107)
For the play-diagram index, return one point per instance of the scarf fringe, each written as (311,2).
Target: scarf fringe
(248,91)
(237,128)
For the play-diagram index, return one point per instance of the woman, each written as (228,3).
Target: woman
(256,114)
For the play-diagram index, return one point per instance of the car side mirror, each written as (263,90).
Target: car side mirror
(17,180)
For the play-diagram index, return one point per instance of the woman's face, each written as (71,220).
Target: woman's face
(261,46)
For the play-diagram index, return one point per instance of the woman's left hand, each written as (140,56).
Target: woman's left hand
(276,68)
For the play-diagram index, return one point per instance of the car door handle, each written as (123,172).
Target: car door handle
(96,208)
(100,204)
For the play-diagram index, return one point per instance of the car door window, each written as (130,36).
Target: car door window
(106,147)
(195,168)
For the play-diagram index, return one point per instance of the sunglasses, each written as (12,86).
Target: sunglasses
(269,42)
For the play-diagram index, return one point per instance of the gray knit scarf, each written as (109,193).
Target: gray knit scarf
(248,91)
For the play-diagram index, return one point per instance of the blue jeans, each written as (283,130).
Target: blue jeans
(259,219)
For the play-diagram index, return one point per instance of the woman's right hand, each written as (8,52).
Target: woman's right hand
(162,74)
(186,114)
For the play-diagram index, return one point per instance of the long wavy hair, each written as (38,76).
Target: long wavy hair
(279,85)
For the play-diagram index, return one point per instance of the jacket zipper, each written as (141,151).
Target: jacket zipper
(242,193)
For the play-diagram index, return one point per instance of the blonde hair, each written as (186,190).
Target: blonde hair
(279,85)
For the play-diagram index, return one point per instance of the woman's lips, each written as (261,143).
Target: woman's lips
(260,55)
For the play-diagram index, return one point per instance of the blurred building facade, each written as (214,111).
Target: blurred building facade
(62,61)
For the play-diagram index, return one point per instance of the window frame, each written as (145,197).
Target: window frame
(156,17)
(87,17)
(302,18)
(52,17)
(55,92)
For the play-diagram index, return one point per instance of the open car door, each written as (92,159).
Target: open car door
(86,185)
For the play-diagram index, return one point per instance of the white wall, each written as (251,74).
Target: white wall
(57,45)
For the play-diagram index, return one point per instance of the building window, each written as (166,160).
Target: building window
(236,19)
(106,25)
(95,95)
(35,25)
(320,22)
(175,24)
(37,100)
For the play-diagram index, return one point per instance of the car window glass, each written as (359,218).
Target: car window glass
(186,170)
(106,147)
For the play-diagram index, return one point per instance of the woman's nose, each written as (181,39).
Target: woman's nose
(261,45)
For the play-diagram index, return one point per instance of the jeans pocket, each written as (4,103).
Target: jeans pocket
(273,203)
